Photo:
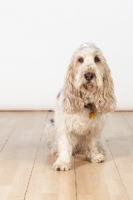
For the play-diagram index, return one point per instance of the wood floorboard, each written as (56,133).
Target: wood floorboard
(17,157)
(98,181)
(120,142)
(8,121)
(46,183)
(128,116)
(26,164)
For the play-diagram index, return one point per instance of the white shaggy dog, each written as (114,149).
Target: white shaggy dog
(82,104)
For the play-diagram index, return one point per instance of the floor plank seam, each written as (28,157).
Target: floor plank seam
(6,141)
(126,121)
(35,159)
(75,178)
(31,174)
(8,138)
(117,170)
(4,145)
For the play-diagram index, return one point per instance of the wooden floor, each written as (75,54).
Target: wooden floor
(25,162)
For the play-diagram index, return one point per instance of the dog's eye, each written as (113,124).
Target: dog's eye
(81,60)
(96,59)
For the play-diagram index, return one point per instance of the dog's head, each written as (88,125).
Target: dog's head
(88,80)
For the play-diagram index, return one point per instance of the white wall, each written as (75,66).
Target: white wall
(38,37)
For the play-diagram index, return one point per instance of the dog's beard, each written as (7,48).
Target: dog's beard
(88,90)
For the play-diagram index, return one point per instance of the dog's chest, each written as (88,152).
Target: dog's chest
(81,123)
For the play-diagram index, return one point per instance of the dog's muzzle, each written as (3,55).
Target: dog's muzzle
(89,76)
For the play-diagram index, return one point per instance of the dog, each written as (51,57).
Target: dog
(81,109)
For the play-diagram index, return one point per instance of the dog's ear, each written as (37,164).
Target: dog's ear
(105,99)
(72,101)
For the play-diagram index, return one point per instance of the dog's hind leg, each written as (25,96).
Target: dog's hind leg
(50,137)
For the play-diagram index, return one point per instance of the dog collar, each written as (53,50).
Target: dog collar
(91,107)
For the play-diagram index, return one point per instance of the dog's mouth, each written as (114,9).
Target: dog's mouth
(89,85)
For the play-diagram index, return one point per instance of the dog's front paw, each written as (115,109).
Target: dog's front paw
(97,158)
(61,166)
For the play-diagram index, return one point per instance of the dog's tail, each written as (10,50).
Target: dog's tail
(50,136)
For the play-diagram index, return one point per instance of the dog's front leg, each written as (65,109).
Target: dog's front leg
(63,161)
(95,153)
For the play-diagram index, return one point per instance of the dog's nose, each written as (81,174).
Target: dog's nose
(89,76)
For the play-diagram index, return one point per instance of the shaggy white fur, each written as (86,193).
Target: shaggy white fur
(82,104)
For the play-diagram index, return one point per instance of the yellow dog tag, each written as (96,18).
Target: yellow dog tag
(91,115)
